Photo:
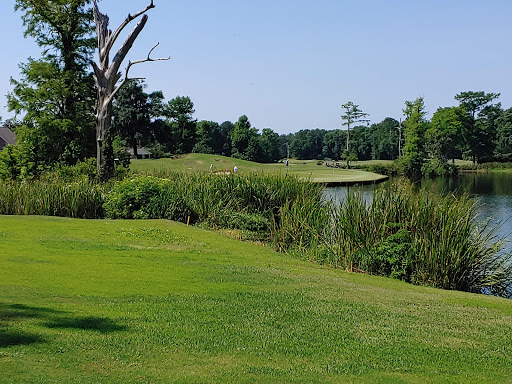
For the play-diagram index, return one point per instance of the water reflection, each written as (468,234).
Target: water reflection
(492,191)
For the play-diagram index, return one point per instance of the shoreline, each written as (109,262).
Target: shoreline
(350,183)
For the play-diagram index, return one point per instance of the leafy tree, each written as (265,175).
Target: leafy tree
(384,139)
(131,114)
(503,150)
(254,150)
(415,127)
(352,115)
(334,144)
(240,137)
(474,102)
(478,131)
(269,141)
(179,111)
(224,140)
(55,93)
(206,132)
(444,131)
(361,143)
(308,144)
(485,132)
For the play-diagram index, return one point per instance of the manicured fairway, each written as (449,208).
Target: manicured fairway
(158,302)
(303,168)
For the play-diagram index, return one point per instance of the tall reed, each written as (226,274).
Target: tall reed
(79,199)
(420,237)
(415,236)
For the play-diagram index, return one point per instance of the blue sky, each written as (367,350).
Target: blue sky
(290,65)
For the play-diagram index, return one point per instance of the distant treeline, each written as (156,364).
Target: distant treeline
(54,97)
(170,128)
(477,130)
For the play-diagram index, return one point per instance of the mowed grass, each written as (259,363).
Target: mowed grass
(98,301)
(196,162)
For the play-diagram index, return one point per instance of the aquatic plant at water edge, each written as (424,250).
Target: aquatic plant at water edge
(420,237)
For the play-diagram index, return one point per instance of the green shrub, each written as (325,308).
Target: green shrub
(381,169)
(410,166)
(251,202)
(391,257)
(144,197)
(85,169)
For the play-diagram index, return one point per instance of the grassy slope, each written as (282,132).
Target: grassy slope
(303,168)
(155,301)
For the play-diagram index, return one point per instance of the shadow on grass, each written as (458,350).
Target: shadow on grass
(9,339)
(16,314)
(11,314)
(19,311)
(90,323)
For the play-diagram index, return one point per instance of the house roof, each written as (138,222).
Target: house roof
(7,135)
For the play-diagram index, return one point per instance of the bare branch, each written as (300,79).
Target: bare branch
(107,75)
(127,45)
(112,39)
(130,64)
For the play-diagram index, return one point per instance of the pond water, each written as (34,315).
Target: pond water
(492,191)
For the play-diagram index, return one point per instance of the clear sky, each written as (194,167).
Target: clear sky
(290,65)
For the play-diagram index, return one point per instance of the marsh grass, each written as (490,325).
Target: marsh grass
(251,202)
(420,237)
(78,199)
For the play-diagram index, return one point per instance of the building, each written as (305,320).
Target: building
(142,153)
(6,137)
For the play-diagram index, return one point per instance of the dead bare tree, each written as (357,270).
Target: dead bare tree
(107,76)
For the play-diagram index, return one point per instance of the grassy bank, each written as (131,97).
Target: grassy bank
(419,237)
(154,301)
(306,169)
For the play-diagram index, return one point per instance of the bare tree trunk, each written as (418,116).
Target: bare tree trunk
(107,75)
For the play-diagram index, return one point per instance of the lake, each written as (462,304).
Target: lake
(492,191)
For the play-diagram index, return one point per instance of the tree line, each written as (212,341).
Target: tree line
(55,96)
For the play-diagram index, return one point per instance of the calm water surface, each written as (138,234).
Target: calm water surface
(492,191)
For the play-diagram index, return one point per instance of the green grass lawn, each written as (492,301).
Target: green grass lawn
(303,168)
(158,302)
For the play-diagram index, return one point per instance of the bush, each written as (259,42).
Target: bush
(82,170)
(391,257)
(410,166)
(146,198)
(251,202)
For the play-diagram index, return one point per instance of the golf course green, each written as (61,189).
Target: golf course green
(313,170)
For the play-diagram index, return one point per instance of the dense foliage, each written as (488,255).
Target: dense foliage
(55,94)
